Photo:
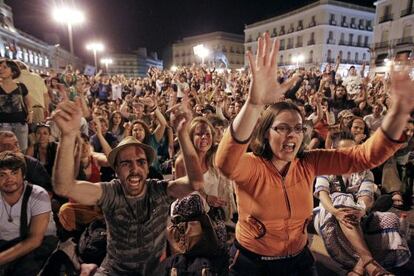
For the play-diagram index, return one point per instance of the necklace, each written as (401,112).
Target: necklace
(9,217)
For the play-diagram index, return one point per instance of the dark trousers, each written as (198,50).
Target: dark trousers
(30,264)
(245,262)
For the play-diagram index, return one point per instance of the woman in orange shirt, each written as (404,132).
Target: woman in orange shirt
(274,183)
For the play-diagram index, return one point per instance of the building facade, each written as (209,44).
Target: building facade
(226,48)
(40,56)
(393,31)
(135,64)
(318,33)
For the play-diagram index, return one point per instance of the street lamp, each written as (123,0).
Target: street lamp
(106,61)
(298,59)
(201,52)
(95,47)
(70,16)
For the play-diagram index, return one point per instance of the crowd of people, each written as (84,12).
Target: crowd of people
(204,170)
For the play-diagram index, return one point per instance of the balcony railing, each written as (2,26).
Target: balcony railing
(311,42)
(289,46)
(407,12)
(331,41)
(383,44)
(385,18)
(330,60)
(291,30)
(404,40)
(353,26)
(343,42)
(344,24)
(312,24)
(332,22)
(299,44)
(281,47)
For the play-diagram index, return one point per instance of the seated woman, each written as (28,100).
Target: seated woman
(43,149)
(362,244)
(218,190)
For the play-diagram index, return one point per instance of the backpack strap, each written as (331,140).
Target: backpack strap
(341,183)
(24,228)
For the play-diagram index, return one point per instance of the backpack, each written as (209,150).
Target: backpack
(192,231)
(92,243)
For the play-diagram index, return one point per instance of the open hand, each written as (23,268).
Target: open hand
(402,93)
(264,88)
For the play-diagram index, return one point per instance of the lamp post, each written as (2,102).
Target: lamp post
(106,61)
(298,59)
(201,52)
(95,47)
(69,16)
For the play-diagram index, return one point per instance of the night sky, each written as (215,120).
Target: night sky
(124,25)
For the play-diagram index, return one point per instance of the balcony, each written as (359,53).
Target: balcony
(331,41)
(361,27)
(332,22)
(369,28)
(383,44)
(289,46)
(291,30)
(353,26)
(299,28)
(404,41)
(312,24)
(342,42)
(311,42)
(385,18)
(407,12)
(282,32)
(344,24)
(299,44)
(274,34)
(330,60)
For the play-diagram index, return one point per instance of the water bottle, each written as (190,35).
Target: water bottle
(405,227)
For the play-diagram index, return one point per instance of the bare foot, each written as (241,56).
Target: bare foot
(88,269)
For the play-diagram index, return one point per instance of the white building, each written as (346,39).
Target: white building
(318,33)
(40,56)
(218,43)
(393,30)
(134,64)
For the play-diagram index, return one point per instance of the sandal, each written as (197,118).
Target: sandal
(378,270)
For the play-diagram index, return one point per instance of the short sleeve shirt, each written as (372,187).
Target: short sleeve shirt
(39,203)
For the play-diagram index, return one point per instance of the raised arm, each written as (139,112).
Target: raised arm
(264,88)
(194,179)
(67,117)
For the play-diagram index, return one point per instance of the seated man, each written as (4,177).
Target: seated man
(135,208)
(35,171)
(27,230)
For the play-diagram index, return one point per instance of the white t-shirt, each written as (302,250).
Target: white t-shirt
(39,203)
(116,91)
(181,87)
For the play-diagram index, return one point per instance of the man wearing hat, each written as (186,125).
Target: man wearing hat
(135,208)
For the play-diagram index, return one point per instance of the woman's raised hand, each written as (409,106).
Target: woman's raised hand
(264,87)
(402,87)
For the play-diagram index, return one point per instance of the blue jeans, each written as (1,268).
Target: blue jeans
(21,131)
(245,262)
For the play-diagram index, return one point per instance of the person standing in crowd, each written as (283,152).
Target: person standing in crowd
(274,183)
(135,208)
(38,92)
(27,230)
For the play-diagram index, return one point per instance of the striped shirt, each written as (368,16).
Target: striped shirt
(135,226)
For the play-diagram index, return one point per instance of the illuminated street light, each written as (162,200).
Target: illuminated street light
(201,52)
(298,59)
(173,68)
(69,16)
(95,47)
(106,61)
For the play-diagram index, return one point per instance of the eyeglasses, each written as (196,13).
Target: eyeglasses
(285,129)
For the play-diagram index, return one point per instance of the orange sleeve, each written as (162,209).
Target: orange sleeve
(233,161)
(375,151)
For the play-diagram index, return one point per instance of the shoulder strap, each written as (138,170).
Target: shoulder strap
(24,228)
(341,183)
